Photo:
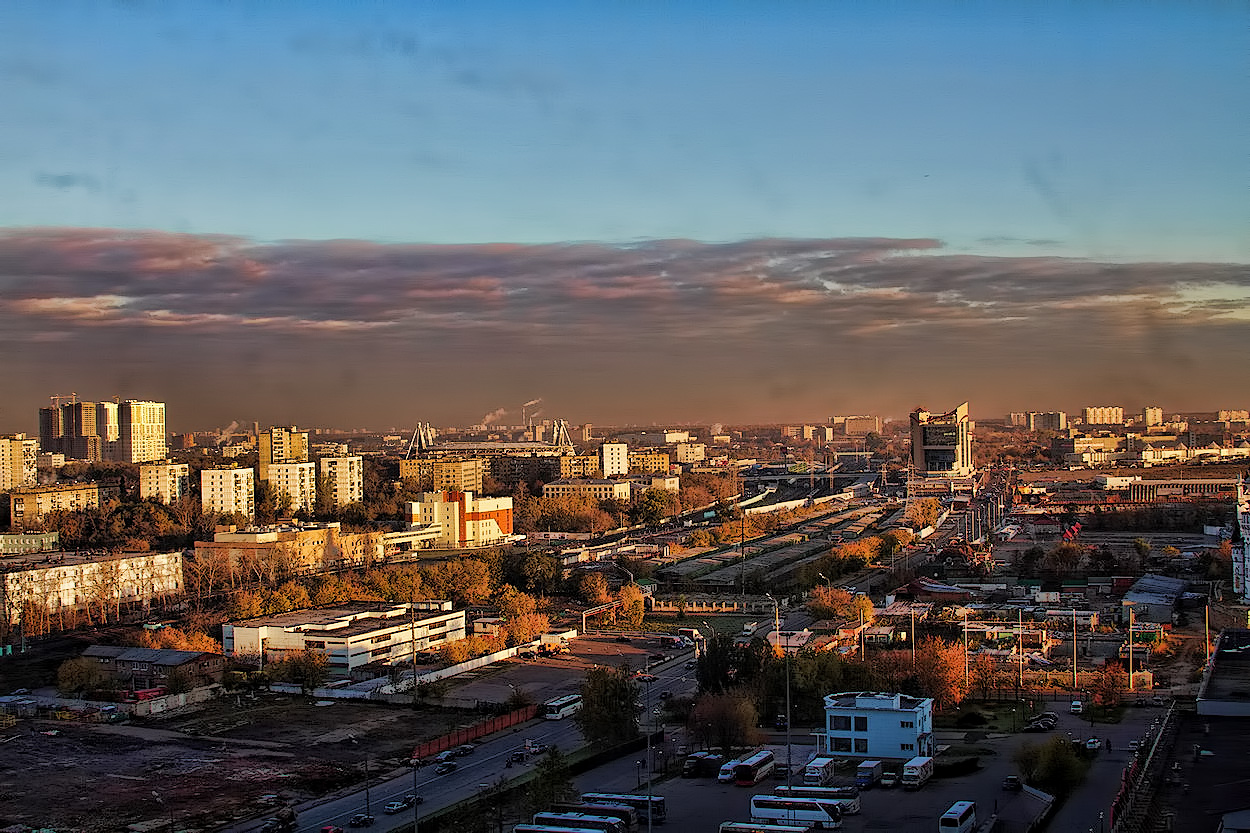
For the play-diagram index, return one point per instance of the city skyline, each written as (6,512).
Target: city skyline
(369,215)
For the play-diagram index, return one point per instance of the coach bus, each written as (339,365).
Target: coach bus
(759,827)
(562,707)
(651,807)
(810,812)
(846,797)
(581,821)
(749,772)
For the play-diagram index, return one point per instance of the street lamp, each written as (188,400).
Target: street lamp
(786,660)
(1129,605)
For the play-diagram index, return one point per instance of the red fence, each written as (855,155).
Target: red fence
(477,730)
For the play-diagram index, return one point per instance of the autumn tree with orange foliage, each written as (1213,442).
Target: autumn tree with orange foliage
(176,640)
(940,671)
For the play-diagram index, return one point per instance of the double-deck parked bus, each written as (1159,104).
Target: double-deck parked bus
(749,772)
(648,806)
(759,827)
(847,797)
(581,821)
(562,707)
(810,812)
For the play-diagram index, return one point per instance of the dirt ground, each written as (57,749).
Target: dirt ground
(201,769)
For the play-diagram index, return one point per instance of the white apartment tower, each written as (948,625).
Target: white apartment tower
(1103,415)
(298,480)
(1151,416)
(140,431)
(345,476)
(165,482)
(229,491)
(614,459)
(281,444)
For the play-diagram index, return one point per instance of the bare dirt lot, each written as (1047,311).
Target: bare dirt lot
(98,777)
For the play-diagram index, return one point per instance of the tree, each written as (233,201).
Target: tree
(594,589)
(551,783)
(983,674)
(725,720)
(826,602)
(542,573)
(607,717)
(632,607)
(940,671)
(1109,684)
(75,676)
(654,505)
(923,512)
(1052,767)
(308,668)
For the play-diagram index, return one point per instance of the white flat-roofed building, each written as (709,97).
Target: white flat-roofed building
(297,480)
(346,478)
(229,491)
(462,520)
(689,452)
(866,724)
(46,585)
(349,635)
(614,459)
(164,482)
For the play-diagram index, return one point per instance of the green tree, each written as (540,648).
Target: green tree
(542,573)
(725,720)
(75,676)
(552,782)
(1052,767)
(607,715)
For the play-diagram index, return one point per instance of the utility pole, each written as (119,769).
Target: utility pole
(1075,684)
(1130,645)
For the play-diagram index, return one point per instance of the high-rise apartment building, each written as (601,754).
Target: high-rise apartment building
(19,458)
(228,491)
(140,432)
(281,444)
(941,444)
(1103,415)
(345,478)
(165,482)
(1151,416)
(296,480)
(453,474)
(614,459)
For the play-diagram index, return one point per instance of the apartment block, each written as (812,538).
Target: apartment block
(345,478)
(19,461)
(614,459)
(281,444)
(462,520)
(941,444)
(165,482)
(597,489)
(581,465)
(298,481)
(30,505)
(456,474)
(228,491)
(690,452)
(1103,415)
(70,581)
(649,462)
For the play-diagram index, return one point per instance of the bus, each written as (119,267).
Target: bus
(960,818)
(651,807)
(628,815)
(581,821)
(847,797)
(562,707)
(544,828)
(810,812)
(759,827)
(752,769)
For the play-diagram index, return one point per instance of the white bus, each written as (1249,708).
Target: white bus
(815,813)
(562,707)
(847,797)
(753,769)
(960,818)
(651,807)
(581,821)
(759,827)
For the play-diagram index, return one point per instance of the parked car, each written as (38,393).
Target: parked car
(330,828)
(445,767)
(517,757)
(1077,707)
(1093,744)
(664,695)
(888,780)
(1012,783)
(360,820)
(645,678)
(465,749)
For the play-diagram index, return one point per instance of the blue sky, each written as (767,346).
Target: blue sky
(1112,130)
(435,209)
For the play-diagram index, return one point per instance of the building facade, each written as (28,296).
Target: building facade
(349,636)
(649,462)
(689,452)
(19,461)
(344,476)
(69,581)
(228,491)
(295,547)
(29,506)
(941,444)
(298,481)
(140,432)
(456,474)
(598,489)
(281,444)
(871,725)
(164,482)
(614,459)
(139,668)
(462,521)
(1103,415)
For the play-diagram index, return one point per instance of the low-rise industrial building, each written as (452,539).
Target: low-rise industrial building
(38,588)
(865,724)
(139,668)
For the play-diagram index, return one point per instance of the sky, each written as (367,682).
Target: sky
(366,214)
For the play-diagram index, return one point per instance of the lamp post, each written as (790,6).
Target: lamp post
(1129,605)
(965,648)
(416,803)
(786,660)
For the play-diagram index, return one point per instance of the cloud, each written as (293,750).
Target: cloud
(648,316)
(66,181)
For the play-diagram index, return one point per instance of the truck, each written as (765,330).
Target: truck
(868,773)
(282,821)
(916,772)
(819,771)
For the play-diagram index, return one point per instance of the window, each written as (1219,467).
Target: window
(907,724)
(906,747)
(861,745)
(861,724)
(841,723)
(841,744)
(315,643)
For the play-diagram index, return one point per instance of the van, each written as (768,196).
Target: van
(960,818)
(726,774)
(1077,707)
